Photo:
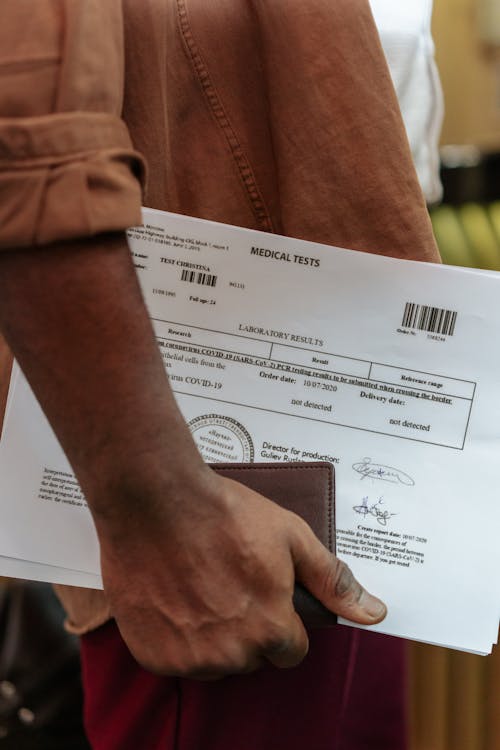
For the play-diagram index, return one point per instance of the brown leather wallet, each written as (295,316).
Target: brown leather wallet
(308,489)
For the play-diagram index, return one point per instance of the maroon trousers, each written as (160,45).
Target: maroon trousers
(348,694)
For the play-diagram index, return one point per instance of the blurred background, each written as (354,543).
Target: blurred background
(467,39)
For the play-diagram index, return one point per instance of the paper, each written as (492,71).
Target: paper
(282,350)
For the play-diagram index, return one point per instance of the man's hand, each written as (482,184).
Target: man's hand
(203,587)
(199,570)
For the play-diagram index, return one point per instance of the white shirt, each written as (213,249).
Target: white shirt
(405,31)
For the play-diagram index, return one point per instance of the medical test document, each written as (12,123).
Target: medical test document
(284,350)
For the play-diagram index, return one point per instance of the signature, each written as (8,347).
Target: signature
(375,510)
(386,473)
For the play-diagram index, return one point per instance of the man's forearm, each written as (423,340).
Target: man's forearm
(75,319)
(198,570)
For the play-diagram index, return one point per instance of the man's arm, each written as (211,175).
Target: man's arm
(199,570)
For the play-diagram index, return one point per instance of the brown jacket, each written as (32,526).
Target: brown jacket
(277,115)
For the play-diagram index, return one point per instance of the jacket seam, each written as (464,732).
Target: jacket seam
(221,117)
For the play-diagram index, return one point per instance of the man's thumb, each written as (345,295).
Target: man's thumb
(331,581)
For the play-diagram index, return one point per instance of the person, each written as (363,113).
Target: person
(405,33)
(278,116)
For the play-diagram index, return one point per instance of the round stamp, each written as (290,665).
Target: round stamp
(222,439)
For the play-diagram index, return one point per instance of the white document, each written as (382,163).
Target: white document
(16,568)
(283,350)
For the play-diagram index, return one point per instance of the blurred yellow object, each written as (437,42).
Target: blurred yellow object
(454,700)
(469,235)
(480,235)
(494,215)
(450,236)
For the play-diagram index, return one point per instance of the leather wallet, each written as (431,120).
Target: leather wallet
(307,489)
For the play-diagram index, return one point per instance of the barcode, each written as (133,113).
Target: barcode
(199,277)
(432,319)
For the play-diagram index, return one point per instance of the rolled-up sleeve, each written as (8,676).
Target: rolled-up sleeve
(68,168)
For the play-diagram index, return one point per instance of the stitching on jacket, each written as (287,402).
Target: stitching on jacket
(212,97)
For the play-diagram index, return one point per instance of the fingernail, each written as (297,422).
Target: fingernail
(373,606)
